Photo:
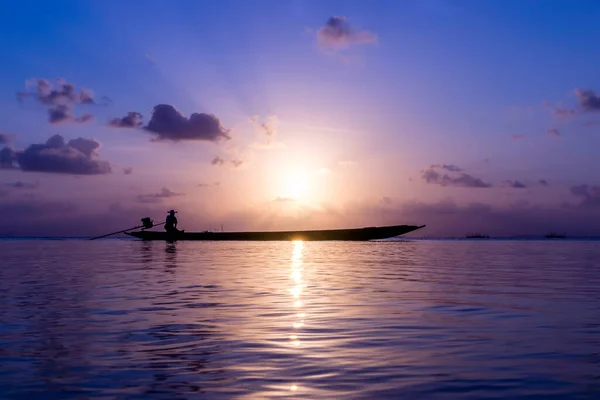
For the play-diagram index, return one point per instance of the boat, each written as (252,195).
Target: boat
(555,236)
(477,236)
(357,234)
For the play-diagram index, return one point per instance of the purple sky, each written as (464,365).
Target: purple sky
(466,116)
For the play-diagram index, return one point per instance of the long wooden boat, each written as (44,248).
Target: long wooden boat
(358,234)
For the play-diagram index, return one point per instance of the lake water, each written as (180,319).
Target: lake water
(119,319)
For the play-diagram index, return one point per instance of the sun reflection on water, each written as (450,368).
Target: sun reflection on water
(296,290)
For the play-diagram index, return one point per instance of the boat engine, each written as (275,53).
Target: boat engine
(147,222)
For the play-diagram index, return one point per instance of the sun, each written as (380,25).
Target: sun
(296,186)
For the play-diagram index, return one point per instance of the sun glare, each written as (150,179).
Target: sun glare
(296,186)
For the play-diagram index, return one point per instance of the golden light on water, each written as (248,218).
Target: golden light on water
(298,285)
(297,281)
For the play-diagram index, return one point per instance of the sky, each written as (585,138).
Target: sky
(466,116)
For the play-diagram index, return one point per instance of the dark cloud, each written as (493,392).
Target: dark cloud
(33,217)
(515,184)
(50,94)
(156,197)
(338,34)
(22,185)
(588,100)
(128,171)
(434,176)
(56,156)
(543,182)
(7,158)
(6,138)
(217,161)
(517,137)
(131,120)
(60,99)
(447,218)
(553,132)
(169,124)
(589,195)
(237,163)
(63,113)
(447,167)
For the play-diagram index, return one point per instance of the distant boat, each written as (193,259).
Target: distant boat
(477,236)
(555,236)
(358,234)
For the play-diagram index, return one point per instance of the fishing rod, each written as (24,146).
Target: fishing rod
(147,223)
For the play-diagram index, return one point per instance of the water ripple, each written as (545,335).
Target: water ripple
(410,319)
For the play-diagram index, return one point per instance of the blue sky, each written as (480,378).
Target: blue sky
(472,84)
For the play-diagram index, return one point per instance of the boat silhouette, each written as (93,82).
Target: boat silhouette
(477,236)
(555,236)
(356,234)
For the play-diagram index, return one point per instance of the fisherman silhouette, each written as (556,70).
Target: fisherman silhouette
(171,223)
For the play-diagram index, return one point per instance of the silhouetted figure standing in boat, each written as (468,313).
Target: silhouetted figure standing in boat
(171,223)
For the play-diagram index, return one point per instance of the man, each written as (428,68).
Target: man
(171,223)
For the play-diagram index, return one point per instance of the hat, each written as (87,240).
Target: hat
(171,212)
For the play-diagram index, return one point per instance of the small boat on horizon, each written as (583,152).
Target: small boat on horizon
(356,234)
(477,236)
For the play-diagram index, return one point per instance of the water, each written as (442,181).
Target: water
(416,319)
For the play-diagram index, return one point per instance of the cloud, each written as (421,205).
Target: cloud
(156,197)
(553,132)
(63,113)
(268,127)
(6,138)
(128,171)
(587,100)
(217,161)
(131,120)
(517,137)
(22,185)
(543,182)
(433,176)
(563,112)
(283,199)
(515,184)
(236,163)
(62,93)
(7,158)
(447,167)
(208,184)
(169,124)
(337,34)
(447,218)
(60,99)
(589,195)
(56,156)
